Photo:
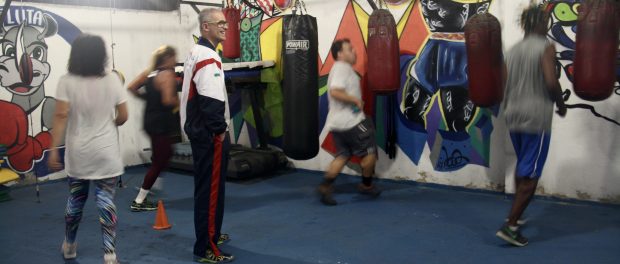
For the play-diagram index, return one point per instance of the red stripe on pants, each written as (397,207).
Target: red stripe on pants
(215,186)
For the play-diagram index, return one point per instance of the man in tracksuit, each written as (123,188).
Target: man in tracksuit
(205,119)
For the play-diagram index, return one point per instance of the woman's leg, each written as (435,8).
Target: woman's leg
(75,205)
(162,152)
(105,190)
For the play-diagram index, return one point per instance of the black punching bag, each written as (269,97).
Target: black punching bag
(300,86)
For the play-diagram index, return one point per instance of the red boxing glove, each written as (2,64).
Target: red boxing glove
(13,126)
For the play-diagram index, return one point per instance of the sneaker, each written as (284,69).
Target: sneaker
(326,191)
(110,259)
(212,258)
(512,237)
(146,205)
(371,190)
(223,238)
(69,251)
(520,222)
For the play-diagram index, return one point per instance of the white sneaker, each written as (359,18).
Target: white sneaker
(69,251)
(110,259)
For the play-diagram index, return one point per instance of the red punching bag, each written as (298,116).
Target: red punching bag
(483,41)
(232,44)
(595,51)
(383,53)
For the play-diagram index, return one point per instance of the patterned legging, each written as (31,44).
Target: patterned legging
(104,192)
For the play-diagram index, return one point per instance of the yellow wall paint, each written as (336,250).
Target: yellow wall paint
(271,44)
(362,20)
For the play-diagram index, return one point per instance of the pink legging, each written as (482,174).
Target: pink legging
(162,151)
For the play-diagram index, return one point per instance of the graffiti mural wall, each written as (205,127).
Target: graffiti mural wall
(433,111)
(35,43)
(434,108)
(562,32)
(442,136)
(435,102)
(27,100)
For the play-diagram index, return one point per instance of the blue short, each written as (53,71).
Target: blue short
(531,152)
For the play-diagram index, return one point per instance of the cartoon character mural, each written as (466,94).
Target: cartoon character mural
(23,71)
(434,101)
(26,113)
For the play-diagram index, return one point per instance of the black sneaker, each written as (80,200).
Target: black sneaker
(512,237)
(146,205)
(326,190)
(212,258)
(328,200)
(371,190)
(223,238)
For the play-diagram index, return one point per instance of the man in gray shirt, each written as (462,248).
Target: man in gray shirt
(531,89)
(353,133)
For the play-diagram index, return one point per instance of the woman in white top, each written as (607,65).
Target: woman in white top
(91,103)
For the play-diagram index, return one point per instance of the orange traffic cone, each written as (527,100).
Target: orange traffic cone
(161,220)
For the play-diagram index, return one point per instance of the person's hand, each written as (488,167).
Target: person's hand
(359,104)
(561,110)
(53,161)
(221,137)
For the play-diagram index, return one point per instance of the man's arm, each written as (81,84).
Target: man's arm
(551,81)
(341,95)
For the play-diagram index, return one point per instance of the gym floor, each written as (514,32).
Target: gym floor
(280,220)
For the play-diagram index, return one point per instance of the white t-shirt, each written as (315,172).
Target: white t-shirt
(343,116)
(92,149)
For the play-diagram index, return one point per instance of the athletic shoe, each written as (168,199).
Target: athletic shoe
(110,259)
(69,251)
(146,205)
(369,190)
(520,222)
(512,237)
(326,190)
(212,258)
(223,238)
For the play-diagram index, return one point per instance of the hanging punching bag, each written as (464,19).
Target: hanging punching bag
(596,47)
(483,41)
(300,86)
(232,45)
(383,53)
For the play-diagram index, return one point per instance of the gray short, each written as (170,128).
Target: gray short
(357,141)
